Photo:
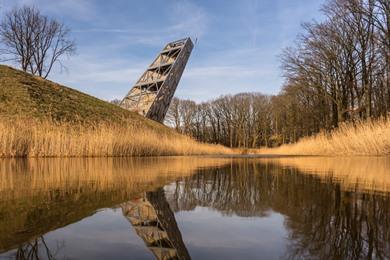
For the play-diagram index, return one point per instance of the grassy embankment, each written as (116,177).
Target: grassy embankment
(39,118)
(362,138)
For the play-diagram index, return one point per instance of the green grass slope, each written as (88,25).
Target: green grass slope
(39,118)
(25,96)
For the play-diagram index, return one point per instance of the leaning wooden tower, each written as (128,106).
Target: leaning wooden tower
(153,92)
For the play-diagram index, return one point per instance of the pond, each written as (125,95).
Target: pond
(195,207)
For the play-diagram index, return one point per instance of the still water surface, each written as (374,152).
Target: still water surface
(195,207)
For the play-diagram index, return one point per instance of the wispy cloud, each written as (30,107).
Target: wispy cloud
(222,72)
(239,42)
(250,16)
(185,19)
(189,18)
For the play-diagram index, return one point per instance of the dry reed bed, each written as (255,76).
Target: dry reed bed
(362,138)
(47,139)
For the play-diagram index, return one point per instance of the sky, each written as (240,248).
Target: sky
(238,42)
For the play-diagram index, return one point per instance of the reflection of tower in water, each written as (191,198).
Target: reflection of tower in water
(155,223)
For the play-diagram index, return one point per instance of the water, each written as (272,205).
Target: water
(199,208)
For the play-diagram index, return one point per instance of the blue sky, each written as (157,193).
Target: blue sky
(237,48)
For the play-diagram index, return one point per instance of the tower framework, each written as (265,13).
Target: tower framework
(154,222)
(152,93)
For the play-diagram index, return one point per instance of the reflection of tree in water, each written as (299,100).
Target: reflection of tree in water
(323,220)
(155,223)
(36,249)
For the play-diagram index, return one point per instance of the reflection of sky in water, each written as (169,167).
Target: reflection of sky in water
(105,235)
(208,234)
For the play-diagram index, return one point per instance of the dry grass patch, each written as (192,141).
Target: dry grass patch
(361,138)
(47,139)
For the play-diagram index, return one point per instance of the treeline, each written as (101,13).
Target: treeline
(338,71)
(243,120)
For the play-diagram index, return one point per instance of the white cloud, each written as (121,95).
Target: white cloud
(237,49)
(222,71)
(189,18)
(179,25)
(249,14)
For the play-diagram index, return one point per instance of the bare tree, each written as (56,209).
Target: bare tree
(17,36)
(115,101)
(34,41)
(338,71)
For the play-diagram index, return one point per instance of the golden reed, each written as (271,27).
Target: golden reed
(47,139)
(361,138)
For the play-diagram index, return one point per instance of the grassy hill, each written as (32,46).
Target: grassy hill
(25,96)
(42,118)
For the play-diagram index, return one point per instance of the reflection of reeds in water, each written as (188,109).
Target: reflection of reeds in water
(371,174)
(26,177)
(39,195)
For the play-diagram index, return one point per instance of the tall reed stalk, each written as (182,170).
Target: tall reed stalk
(361,138)
(47,139)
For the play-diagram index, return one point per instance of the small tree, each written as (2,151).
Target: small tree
(34,41)
(116,101)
